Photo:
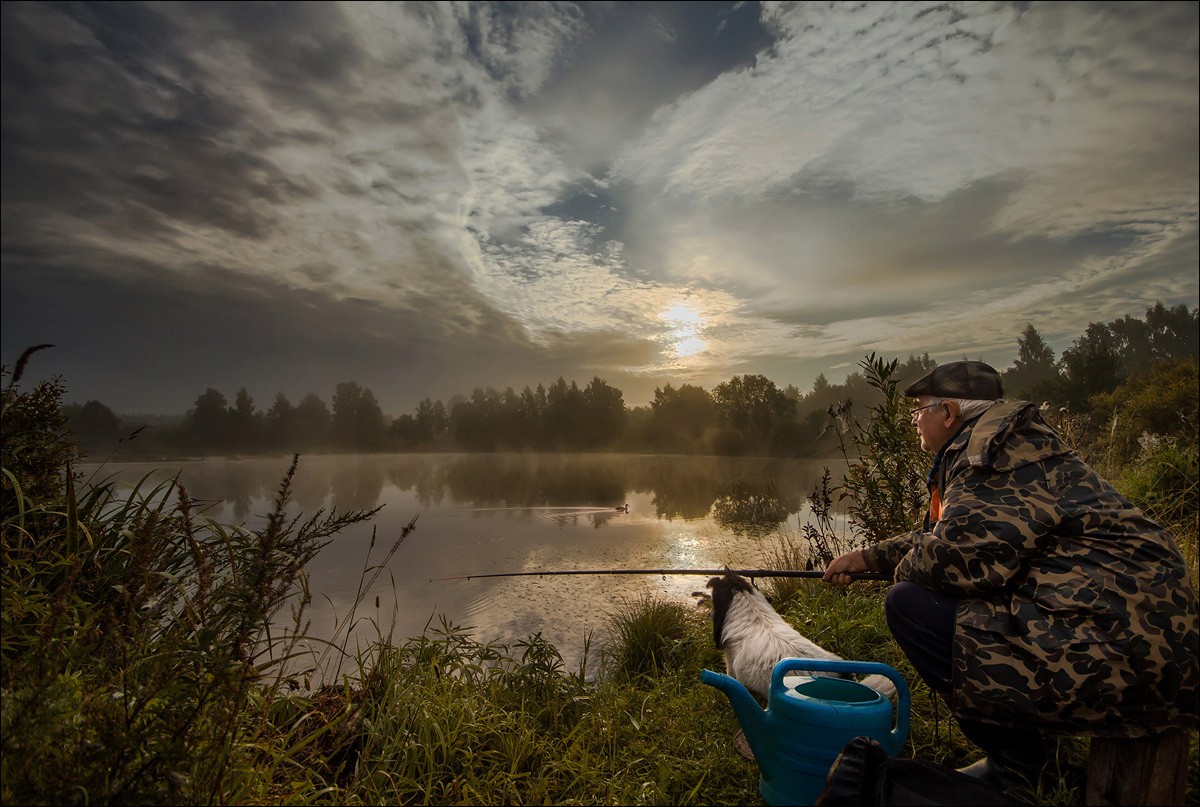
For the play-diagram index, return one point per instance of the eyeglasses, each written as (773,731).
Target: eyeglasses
(912,413)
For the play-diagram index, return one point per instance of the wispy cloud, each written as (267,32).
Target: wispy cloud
(914,157)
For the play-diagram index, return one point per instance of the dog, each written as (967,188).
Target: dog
(753,637)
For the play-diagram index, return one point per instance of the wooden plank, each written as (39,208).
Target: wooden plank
(1141,771)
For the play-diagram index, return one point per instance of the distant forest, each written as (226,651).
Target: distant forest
(746,415)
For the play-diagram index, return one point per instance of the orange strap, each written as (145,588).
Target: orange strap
(935,505)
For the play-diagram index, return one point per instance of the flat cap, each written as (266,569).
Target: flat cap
(970,380)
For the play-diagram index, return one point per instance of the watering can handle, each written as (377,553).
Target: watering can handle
(903,696)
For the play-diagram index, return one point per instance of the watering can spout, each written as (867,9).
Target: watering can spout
(752,716)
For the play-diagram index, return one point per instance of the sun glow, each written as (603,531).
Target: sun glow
(686,326)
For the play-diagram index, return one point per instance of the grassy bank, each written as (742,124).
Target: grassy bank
(140,665)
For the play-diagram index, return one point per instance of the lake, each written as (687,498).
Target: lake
(488,513)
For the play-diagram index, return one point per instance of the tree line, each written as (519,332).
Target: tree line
(1109,364)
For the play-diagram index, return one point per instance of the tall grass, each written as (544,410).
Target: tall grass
(644,636)
(138,643)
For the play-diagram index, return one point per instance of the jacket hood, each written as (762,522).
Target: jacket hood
(1011,434)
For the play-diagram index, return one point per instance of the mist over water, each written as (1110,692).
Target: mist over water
(480,514)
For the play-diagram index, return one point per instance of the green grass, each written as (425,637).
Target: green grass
(443,719)
(140,666)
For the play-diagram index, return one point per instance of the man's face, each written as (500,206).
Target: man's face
(934,421)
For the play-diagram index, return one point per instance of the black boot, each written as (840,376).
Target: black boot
(1014,760)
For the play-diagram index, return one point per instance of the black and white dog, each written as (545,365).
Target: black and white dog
(754,637)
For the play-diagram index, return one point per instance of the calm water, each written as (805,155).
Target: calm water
(510,513)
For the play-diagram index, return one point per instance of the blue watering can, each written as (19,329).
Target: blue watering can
(808,722)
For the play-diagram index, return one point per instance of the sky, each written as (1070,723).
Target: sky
(426,198)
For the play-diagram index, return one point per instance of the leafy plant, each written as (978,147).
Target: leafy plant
(140,643)
(885,479)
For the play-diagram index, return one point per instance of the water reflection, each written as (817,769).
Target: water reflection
(753,512)
(512,513)
(749,496)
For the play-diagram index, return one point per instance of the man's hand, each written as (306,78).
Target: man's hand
(839,569)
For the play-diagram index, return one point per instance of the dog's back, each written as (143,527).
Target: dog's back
(754,637)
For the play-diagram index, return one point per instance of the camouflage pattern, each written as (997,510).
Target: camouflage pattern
(970,380)
(1078,612)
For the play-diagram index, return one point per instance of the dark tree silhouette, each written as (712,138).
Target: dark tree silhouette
(752,406)
(312,422)
(280,424)
(244,421)
(681,418)
(97,427)
(1034,368)
(357,419)
(209,420)
(1092,364)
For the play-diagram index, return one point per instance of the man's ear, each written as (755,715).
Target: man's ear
(952,412)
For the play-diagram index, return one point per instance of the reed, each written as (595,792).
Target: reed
(140,645)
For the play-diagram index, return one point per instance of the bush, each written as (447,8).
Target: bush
(1161,402)
(137,650)
(37,448)
(1164,483)
(646,637)
(885,481)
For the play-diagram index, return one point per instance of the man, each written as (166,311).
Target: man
(1035,597)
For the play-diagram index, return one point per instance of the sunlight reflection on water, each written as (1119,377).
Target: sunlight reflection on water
(480,514)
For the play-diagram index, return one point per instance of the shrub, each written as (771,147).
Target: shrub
(137,649)
(645,637)
(1164,483)
(885,480)
(1161,402)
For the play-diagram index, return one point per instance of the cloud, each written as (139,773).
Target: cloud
(520,45)
(547,179)
(919,161)
(914,100)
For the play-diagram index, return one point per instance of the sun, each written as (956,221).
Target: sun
(682,315)
(686,326)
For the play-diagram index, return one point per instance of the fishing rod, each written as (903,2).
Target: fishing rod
(707,572)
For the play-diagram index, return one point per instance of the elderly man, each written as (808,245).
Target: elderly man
(1034,597)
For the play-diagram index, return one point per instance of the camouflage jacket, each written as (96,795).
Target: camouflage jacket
(1078,613)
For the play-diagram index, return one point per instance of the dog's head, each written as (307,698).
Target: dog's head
(724,589)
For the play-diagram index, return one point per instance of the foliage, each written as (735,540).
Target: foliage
(357,419)
(1160,402)
(752,407)
(137,634)
(1092,364)
(681,419)
(209,421)
(885,480)
(645,637)
(1034,367)
(37,446)
(445,719)
(313,420)
(1109,354)
(136,667)
(821,537)
(562,417)
(96,427)
(1164,482)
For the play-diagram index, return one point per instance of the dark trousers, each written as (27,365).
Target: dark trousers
(922,622)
